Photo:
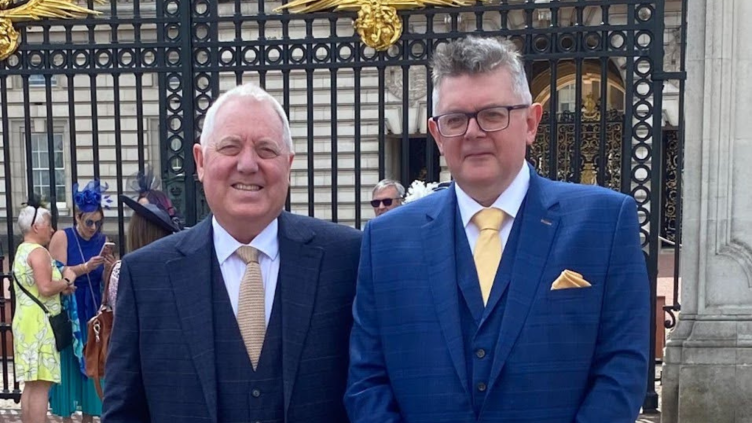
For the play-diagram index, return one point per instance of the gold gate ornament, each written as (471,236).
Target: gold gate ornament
(33,10)
(378,24)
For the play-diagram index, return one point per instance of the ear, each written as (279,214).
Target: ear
(433,128)
(534,113)
(198,158)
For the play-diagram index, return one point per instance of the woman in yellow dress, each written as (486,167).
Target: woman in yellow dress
(36,359)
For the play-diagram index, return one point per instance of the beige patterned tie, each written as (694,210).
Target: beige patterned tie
(487,253)
(251,305)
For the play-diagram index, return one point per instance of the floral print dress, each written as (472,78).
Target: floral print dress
(35,355)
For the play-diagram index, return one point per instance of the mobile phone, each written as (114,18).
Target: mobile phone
(110,245)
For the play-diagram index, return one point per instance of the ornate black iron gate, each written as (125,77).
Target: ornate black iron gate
(102,97)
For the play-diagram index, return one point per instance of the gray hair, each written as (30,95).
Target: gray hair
(386,183)
(248,90)
(473,56)
(27,214)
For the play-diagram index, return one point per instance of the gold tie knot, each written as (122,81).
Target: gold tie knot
(248,254)
(489,219)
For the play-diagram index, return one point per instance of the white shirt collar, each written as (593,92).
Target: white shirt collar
(225,245)
(509,201)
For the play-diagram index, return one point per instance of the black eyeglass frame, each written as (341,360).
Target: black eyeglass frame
(474,115)
(377,203)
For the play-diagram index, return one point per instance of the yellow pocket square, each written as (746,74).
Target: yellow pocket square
(569,279)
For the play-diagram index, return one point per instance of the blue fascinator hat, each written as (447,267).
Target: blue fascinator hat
(91,197)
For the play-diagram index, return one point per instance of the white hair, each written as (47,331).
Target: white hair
(386,183)
(248,90)
(473,56)
(27,213)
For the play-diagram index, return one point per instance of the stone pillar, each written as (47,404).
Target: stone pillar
(707,375)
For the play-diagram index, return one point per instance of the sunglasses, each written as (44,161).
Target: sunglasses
(387,202)
(93,223)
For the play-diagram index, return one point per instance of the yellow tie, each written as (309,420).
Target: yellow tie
(488,248)
(251,318)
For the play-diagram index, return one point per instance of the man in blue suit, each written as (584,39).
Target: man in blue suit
(245,317)
(506,297)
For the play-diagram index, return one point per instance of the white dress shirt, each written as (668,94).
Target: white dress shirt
(233,267)
(509,201)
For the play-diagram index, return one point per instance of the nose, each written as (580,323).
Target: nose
(473,129)
(248,161)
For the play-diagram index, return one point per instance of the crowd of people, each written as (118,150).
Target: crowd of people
(501,297)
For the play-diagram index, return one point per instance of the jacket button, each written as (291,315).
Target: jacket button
(482,387)
(480,353)
(256,393)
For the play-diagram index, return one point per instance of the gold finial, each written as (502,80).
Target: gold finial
(34,10)
(378,24)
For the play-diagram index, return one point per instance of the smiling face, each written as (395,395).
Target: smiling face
(245,167)
(485,163)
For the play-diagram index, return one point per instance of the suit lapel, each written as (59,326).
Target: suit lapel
(191,280)
(540,221)
(442,270)
(299,269)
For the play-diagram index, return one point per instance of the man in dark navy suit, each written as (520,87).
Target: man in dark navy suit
(505,298)
(246,316)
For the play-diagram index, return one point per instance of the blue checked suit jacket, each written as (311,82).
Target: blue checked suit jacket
(161,362)
(563,356)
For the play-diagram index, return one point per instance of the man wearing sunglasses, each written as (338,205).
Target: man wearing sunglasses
(506,297)
(387,195)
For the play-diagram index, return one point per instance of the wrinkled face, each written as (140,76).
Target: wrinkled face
(481,159)
(89,223)
(389,194)
(43,229)
(245,167)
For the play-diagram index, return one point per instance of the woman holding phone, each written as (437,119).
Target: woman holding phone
(82,248)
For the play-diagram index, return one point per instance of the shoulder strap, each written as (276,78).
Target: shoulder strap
(28,294)
(107,278)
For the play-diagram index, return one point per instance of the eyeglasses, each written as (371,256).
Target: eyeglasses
(491,119)
(93,223)
(387,202)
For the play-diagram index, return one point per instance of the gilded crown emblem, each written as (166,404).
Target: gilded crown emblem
(33,10)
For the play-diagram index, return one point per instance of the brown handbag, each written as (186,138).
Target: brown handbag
(99,328)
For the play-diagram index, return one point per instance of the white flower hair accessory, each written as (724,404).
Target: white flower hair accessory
(420,189)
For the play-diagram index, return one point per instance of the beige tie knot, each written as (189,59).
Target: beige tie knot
(489,219)
(248,254)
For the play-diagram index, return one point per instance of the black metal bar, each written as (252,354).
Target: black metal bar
(310,121)
(334,123)
(553,103)
(118,161)
(4,326)
(650,404)
(93,95)
(358,170)
(27,133)
(189,109)
(434,172)
(603,123)
(577,159)
(382,120)
(405,139)
(50,123)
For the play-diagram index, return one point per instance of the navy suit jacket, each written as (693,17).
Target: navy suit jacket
(161,362)
(562,356)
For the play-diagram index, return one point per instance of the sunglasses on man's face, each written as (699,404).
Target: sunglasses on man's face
(387,202)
